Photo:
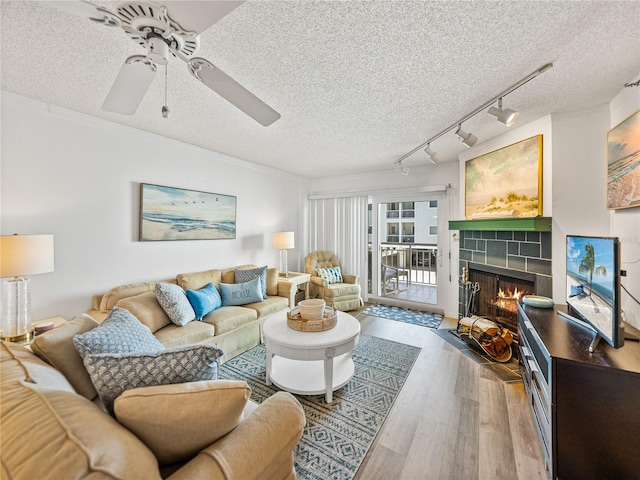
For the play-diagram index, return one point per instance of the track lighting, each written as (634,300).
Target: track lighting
(468,139)
(433,156)
(505,116)
(401,169)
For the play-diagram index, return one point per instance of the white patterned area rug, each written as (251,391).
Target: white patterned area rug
(338,435)
(430,320)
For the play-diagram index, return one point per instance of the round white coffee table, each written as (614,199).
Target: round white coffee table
(310,363)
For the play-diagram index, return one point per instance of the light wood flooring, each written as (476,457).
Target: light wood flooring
(453,418)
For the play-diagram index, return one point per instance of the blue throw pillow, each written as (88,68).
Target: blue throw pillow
(241,293)
(120,332)
(244,275)
(205,300)
(114,373)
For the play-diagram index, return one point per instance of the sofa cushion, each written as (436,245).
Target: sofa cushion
(197,280)
(114,373)
(272,281)
(116,294)
(146,308)
(241,293)
(193,332)
(175,303)
(52,433)
(268,306)
(205,300)
(57,349)
(225,319)
(120,332)
(331,275)
(177,421)
(246,274)
(17,363)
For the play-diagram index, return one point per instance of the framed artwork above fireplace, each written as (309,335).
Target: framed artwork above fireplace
(505,183)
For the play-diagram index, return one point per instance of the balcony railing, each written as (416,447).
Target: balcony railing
(419,260)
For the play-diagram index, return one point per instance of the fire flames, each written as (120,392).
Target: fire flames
(507,300)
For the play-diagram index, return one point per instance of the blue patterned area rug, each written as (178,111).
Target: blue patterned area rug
(423,319)
(338,435)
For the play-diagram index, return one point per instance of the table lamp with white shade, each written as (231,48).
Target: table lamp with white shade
(21,255)
(283,241)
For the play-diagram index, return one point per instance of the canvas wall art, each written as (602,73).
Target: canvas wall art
(169,213)
(623,164)
(506,182)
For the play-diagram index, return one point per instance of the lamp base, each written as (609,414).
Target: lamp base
(24,338)
(285,274)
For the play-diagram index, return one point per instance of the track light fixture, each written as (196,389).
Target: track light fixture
(401,169)
(433,156)
(505,116)
(468,139)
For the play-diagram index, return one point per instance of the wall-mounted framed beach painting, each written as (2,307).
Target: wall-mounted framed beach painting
(168,213)
(506,182)
(623,164)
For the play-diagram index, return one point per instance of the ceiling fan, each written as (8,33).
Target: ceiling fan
(164,29)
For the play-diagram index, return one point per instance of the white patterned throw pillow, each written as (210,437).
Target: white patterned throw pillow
(114,373)
(175,303)
(331,275)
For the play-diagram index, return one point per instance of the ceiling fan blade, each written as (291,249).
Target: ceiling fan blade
(83,8)
(130,85)
(196,16)
(232,91)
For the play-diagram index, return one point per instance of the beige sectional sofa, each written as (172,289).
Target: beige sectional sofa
(235,329)
(207,429)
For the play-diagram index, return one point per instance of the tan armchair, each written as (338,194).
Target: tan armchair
(342,296)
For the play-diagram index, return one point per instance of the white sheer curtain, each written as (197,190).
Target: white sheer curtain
(339,225)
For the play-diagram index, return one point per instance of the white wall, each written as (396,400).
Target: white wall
(625,224)
(79,178)
(579,188)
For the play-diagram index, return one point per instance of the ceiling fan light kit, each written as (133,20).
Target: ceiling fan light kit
(505,116)
(165,32)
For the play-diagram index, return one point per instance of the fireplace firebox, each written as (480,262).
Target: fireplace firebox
(493,293)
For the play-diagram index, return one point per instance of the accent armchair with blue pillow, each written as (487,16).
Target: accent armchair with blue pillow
(328,282)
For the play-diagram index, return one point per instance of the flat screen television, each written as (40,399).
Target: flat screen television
(593,286)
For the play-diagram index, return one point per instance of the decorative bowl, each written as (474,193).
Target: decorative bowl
(312,309)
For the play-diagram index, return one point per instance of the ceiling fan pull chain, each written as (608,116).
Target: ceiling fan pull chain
(165,108)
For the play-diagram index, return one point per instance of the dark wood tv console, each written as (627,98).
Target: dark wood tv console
(586,406)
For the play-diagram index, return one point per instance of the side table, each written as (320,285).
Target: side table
(57,321)
(301,280)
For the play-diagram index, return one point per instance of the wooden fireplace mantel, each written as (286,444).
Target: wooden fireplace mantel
(532,224)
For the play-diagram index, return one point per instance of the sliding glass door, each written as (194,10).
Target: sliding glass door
(406,238)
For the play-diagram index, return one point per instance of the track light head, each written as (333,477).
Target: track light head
(433,156)
(401,169)
(505,116)
(468,139)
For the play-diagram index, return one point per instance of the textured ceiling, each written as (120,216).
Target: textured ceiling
(358,83)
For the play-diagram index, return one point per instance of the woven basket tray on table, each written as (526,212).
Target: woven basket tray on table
(327,322)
